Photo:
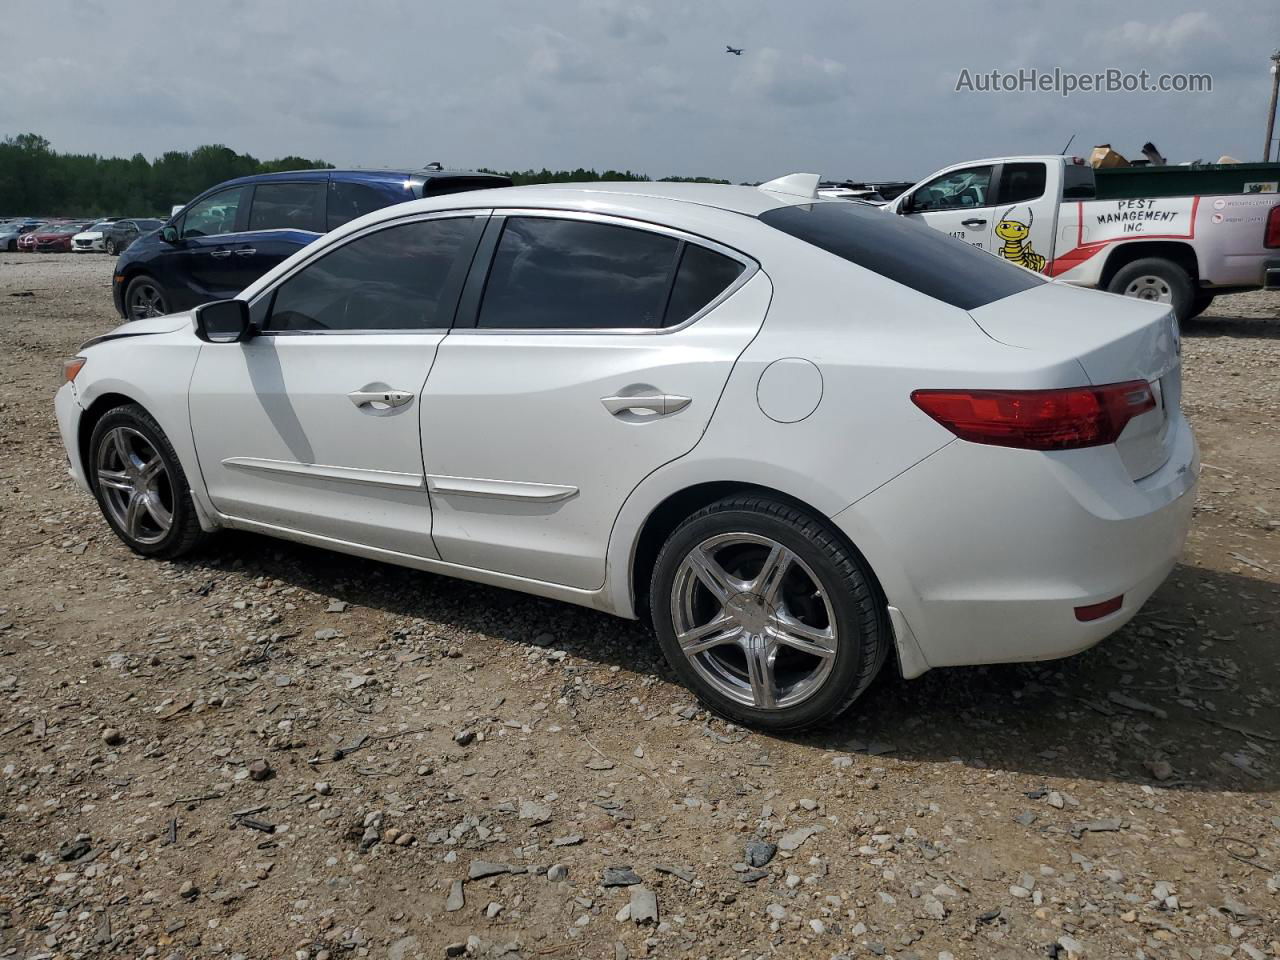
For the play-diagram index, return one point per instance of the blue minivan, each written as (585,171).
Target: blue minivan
(235,232)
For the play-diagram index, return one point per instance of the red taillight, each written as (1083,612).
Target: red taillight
(1039,419)
(1272,237)
(1096,611)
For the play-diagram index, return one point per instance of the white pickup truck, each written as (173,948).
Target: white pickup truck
(1044,214)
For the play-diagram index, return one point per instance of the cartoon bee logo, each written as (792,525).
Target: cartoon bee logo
(1017,244)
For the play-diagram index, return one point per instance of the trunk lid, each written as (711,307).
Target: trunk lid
(1114,339)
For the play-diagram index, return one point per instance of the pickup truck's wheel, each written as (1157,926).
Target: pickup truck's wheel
(140,485)
(1158,280)
(143,298)
(1200,303)
(766,614)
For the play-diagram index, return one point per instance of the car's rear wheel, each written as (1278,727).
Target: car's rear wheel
(1157,280)
(110,247)
(143,298)
(140,485)
(766,614)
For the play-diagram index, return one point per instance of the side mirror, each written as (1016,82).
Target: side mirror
(905,206)
(225,321)
(169,234)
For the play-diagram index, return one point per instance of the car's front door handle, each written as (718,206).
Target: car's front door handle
(219,254)
(246,252)
(659,404)
(392,398)
(973,222)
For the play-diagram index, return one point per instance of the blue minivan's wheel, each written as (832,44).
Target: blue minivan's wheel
(143,298)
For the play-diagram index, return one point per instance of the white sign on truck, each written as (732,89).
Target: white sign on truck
(1041,213)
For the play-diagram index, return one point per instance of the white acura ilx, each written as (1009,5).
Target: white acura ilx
(801,436)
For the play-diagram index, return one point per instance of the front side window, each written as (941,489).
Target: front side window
(1020,182)
(572,274)
(405,277)
(958,190)
(288,206)
(213,215)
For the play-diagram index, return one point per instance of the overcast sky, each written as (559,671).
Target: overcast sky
(845,89)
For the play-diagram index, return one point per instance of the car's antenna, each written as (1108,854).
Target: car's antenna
(1068,146)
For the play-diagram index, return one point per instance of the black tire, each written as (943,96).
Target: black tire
(1200,303)
(857,609)
(13,246)
(183,533)
(141,287)
(110,246)
(1150,277)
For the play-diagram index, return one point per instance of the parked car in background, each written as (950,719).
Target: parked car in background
(1179,245)
(55,237)
(12,231)
(90,240)
(235,232)
(117,236)
(802,436)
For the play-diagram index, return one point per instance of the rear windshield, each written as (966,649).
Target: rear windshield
(908,253)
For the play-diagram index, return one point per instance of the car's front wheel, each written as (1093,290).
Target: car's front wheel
(143,298)
(140,485)
(766,614)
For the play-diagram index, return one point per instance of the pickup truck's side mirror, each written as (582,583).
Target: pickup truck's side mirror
(169,234)
(224,321)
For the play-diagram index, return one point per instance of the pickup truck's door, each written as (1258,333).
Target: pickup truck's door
(1026,205)
(957,202)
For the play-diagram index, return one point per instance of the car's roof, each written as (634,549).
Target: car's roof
(353,174)
(751,201)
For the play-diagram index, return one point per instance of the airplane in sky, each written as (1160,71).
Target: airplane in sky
(736,51)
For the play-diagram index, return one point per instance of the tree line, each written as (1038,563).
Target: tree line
(37,180)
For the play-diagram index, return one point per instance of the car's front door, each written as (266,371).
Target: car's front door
(958,203)
(596,353)
(199,267)
(313,424)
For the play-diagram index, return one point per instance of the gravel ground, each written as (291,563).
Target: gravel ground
(269,751)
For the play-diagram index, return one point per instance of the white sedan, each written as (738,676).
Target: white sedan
(92,239)
(801,437)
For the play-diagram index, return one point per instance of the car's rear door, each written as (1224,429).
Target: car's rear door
(590,351)
(284,217)
(312,426)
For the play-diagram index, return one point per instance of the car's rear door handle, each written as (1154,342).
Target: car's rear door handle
(659,404)
(219,254)
(973,222)
(392,398)
(246,252)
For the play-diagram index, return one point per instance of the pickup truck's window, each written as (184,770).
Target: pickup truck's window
(1020,182)
(572,274)
(288,206)
(406,277)
(703,275)
(1077,182)
(912,254)
(213,215)
(958,190)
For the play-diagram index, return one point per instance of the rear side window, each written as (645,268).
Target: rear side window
(1077,182)
(350,200)
(912,254)
(406,277)
(1020,182)
(288,206)
(703,275)
(572,274)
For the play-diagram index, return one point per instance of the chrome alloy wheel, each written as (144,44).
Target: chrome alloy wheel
(145,300)
(754,620)
(1150,287)
(135,486)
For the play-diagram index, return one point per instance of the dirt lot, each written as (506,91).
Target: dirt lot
(270,751)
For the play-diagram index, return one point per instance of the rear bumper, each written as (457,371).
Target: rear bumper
(1271,275)
(986,551)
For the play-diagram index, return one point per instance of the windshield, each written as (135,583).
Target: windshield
(911,254)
